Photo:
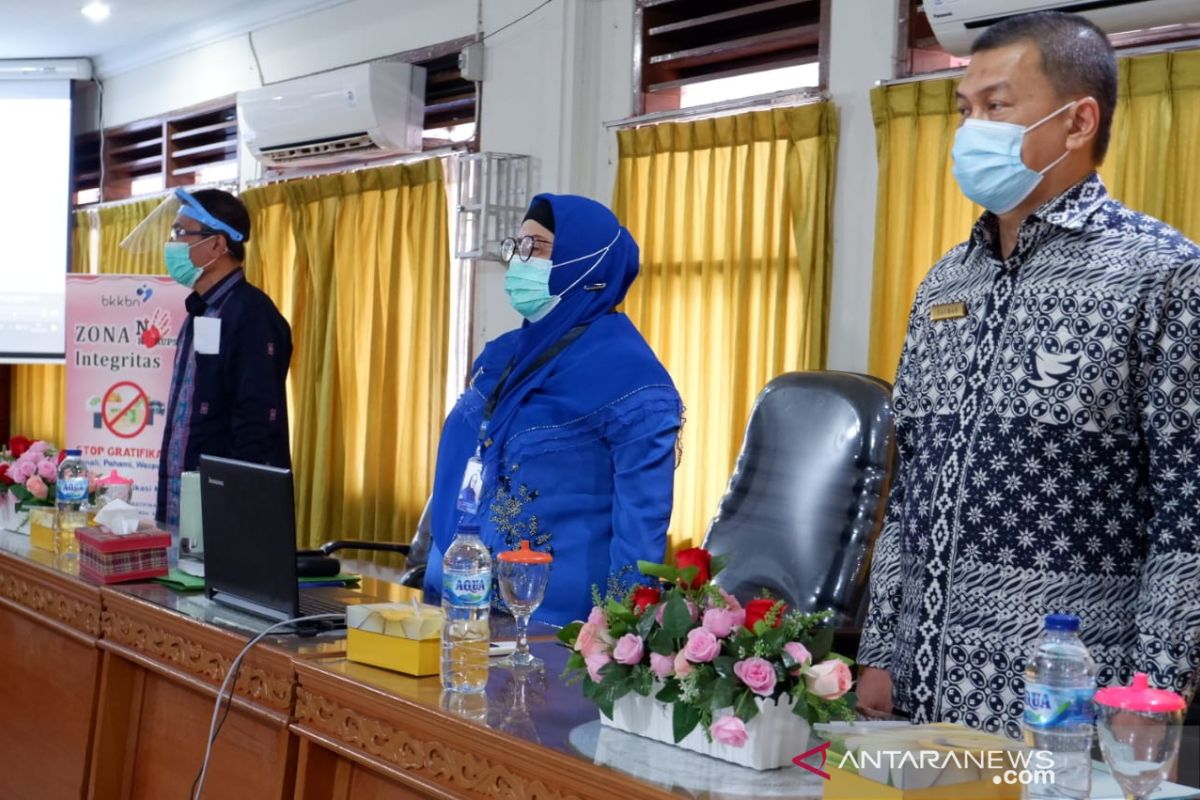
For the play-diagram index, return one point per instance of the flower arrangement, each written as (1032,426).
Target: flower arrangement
(699,650)
(29,471)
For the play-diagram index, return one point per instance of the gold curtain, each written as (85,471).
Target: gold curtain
(360,264)
(38,397)
(1151,166)
(732,215)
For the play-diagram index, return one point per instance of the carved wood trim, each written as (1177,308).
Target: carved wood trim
(261,685)
(447,765)
(74,609)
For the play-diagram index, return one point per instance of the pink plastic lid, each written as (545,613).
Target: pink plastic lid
(113,478)
(1138,696)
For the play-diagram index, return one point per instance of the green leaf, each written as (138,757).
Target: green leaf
(684,719)
(688,574)
(744,705)
(662,571)
(800,703)
(643,680)
(773,640)
(670,692)
(676,619)
(820,644)
(645,624)
(717,564)
(617,611)
(724,666)
(851,700)
(618,629)
(570,633)
(662,643)
(576,662)
(722,695)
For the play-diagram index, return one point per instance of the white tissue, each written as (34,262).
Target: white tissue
(119,517)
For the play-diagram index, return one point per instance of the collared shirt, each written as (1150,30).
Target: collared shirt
(183,388)
(1049,461)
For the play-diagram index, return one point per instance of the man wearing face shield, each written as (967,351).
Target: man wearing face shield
(1047,409)
(566,434)
(228,394)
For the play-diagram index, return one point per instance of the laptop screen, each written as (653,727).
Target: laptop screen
(249,519)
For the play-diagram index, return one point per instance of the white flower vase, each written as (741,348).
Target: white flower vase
(774,737)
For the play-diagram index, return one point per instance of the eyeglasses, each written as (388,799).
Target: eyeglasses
(179,232)
(522,246)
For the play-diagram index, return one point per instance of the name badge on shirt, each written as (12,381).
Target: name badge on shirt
(206,334)
(943,311)
(472,486)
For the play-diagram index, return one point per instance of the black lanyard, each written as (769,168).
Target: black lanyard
(489,408)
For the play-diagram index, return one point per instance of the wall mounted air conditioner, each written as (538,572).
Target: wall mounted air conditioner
(351,114)
(956,23)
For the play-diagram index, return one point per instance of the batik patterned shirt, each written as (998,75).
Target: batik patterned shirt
(1049,461)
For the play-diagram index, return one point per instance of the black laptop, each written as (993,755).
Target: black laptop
(249,519)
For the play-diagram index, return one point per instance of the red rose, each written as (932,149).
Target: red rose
(644,597)
(4,479)
(17,445)
(758,609)
(696,557)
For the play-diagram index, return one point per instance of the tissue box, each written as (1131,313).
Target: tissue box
(393,636)
(106,557)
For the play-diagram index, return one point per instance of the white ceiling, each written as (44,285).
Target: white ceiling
(137,32)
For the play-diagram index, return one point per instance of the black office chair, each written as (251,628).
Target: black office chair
(807,496)
(319,562)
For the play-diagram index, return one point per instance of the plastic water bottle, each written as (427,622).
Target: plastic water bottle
(466,602)
(70,493)
(1060,680)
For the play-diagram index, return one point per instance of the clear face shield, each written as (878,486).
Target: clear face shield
(160,227)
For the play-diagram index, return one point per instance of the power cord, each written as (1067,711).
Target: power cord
(526,15)
(230,682)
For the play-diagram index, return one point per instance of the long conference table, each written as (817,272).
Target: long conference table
(108,692)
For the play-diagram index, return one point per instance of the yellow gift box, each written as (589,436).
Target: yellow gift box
(403,638)
(41,527)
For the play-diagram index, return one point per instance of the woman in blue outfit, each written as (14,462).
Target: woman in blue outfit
(566,434)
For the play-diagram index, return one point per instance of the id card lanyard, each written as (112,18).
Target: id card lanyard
(473,476)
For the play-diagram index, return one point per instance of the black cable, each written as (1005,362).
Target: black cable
(518,19)
(257,64)
(231,682)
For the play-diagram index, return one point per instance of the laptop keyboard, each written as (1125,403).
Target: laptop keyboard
(310,605)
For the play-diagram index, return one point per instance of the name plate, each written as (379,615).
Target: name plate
(948,311)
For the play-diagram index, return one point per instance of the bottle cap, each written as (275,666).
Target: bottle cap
(467,530)
(113,479)
(1138,696)
(525,555)
(74,453)
(1062,622)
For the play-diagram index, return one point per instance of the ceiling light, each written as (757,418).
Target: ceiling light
(96,11)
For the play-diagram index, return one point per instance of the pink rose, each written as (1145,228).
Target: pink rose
(730,601)
(682,667)
(596,617)
(828,680)
(662,666)
(629,649)
(800,653)
(37,487)
(23,471)
(594,663)
(729,730)
(720,621)
(757,673)
(46,471)
(592,640)
(693,611)
(701,646)
(38,447)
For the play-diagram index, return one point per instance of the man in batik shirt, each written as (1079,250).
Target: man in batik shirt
(1047,407)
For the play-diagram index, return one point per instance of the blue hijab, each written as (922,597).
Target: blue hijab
(603,262)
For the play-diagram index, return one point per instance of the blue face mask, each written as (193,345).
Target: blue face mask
(988,165)
(178,258)
(528,283)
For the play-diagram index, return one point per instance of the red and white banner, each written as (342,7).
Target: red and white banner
(121,334)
